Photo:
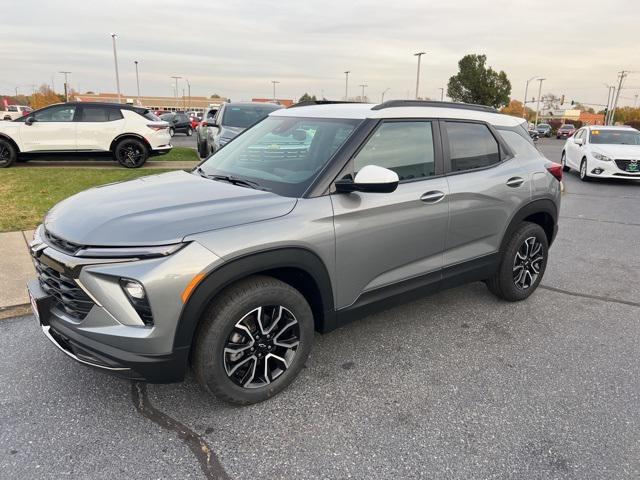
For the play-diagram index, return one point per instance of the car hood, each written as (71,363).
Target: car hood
(159,210)
(617,151)
(231,132)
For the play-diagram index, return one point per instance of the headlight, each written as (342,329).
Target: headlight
(601,157)
(129,252)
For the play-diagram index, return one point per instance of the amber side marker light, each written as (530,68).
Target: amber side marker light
(191,287)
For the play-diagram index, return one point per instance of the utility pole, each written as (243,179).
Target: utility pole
(635,100)
(610,91)
(524,103)
(66,86)
(115,59)
(621,76)
(441,94)
(137,80)
(539,94)
(346,86)
(419,55)
(274,82)
(189,93)
(385,91)
(175,89)
(363,85)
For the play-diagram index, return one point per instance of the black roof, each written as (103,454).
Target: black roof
(433,103)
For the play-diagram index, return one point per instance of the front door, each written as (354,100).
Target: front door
(385,238)
(53,129)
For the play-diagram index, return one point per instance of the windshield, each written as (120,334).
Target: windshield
(615,137)
(543,125)
(567,127)
(167,117)
(243,116)
(281,154)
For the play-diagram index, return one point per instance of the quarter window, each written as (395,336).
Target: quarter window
(62,113)
(404,147)
(471,145)
(93,113)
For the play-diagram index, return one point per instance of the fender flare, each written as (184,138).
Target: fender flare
(537,206)
(115,141)
(11,141)
(242,267)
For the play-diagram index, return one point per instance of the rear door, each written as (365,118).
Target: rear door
(383,239)
(53,129)
(97,126)
(486,186)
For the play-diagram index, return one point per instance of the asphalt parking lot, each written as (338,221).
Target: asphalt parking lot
(457,385)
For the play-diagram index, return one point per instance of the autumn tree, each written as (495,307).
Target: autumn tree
(515,109)
(44,96)
(477,83)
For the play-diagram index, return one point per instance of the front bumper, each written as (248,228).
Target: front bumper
(599,169)
(108,337)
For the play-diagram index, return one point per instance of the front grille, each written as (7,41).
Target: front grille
(624,165)
(65,292)
(61,244)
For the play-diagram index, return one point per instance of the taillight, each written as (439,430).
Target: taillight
(555,169)
(157,128)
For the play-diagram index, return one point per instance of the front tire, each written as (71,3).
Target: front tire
(584,166)
(523,264)
(563,162)
(172,131)
(131,153)
(202,150)
(253,340)
(8,153)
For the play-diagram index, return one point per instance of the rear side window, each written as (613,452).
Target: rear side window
(518,144)
(151,116)
(404,147)
(471,145)
(94,113)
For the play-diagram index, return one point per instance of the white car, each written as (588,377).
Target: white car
(130,134)
(603,152)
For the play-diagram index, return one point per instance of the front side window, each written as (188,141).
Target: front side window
(61,113)
(404,147)
(471,145)
(281,154)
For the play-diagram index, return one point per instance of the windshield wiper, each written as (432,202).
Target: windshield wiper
(233,180)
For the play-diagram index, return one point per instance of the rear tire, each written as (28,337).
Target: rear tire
(202,150)
(523,264)
(268,354)
(189,132)
(8,153)
(131,153)
(563,162)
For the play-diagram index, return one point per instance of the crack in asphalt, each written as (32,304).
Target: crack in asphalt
(209,463)
(601,221)
(592,297)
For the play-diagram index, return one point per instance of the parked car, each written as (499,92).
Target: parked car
(195,122)
(130,134)
(565,131)
(11,112)
(535,136)
(234,118)
(315,216)
(544,130)
(208,120)
(603,152)
(178,122)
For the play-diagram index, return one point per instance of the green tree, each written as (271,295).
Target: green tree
(215,95)
(477,83)
(307,98)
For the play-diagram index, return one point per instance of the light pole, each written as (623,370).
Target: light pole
(419,55)
(621,76)
(539,93)
(346,85)
(66,86)
(610,91)
(363,85)
(383,92)
(137,80)
(189,94)
(635,100)
(115,59)
(524,103)
(274,82)
(441,94)
(175,89)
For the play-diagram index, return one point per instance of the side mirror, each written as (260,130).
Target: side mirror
(30,120)
(370,178)
(578,141)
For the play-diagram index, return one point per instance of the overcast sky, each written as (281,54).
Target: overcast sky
(235,48)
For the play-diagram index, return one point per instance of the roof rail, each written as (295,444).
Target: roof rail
(433,103)
(307,103)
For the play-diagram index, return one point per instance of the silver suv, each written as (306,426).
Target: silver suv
(315,216)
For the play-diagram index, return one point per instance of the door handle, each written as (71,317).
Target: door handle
(515,182)
(433,196)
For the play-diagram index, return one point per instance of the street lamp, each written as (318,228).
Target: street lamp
(383,92)
(346,86)
(137,80)
(115,59)
(524,103)
(538,104)
(419,55)
(363,85)
(175,89)
(188,93)
(441,94)
(66,88)
(274,82)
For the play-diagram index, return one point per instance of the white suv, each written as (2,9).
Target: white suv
(603,152)
(131,134)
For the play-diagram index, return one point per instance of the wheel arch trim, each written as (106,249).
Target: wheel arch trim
(122,136)
(6,137)
(218,278)
(541,206)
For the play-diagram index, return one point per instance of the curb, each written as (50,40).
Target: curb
(15,311)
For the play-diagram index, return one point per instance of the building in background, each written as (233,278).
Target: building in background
(157,104)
